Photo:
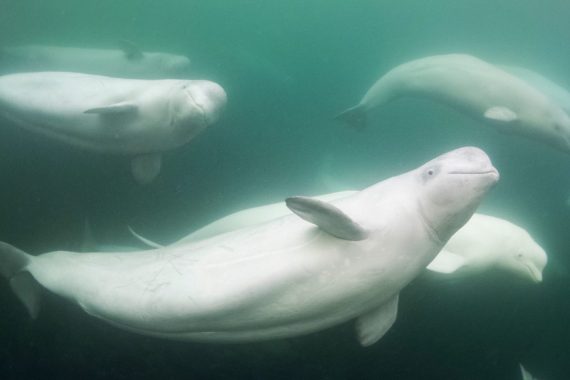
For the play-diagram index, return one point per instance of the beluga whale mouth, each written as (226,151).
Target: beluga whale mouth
(535,274)
(491,171)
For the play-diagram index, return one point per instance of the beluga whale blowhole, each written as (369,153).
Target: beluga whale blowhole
(325,264)
(130,117)
(475,88)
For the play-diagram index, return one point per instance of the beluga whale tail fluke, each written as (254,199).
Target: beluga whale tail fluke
(325,263)
(13,264)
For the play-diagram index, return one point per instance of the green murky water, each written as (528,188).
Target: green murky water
(288,67)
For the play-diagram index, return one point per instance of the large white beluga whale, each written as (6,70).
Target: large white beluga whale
(128,61)
(476,88)
(131,117)
(327,264)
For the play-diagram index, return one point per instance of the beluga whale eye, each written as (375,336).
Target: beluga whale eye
(430,173)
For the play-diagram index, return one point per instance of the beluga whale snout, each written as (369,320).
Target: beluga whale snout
(210,98)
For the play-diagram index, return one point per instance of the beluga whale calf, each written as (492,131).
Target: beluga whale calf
(325,264)
(131,117)
(127,61)
(476,88)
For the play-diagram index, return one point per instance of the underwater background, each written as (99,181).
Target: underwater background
(288,68)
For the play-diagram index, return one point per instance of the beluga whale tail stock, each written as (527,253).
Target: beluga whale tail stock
(476,88)
(129,117)
(324,264)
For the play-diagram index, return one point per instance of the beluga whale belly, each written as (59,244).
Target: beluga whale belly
(131,117)
(476,88)
(326,264)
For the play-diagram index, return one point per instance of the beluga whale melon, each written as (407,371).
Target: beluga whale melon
(127,61)
(476,88)
(131,117)
(325,264)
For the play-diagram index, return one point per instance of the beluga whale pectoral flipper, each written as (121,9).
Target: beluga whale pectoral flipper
(476,88)
(140,119)
(326,263)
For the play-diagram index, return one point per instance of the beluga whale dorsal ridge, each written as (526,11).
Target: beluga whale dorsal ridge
(130,117)
(287,277)
(476,88)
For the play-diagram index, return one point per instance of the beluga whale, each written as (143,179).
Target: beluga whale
(127,61)
(325,264)
(487,242)
(130,117)
(476,88)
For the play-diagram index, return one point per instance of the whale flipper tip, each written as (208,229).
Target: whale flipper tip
(327,217)
(354,117)
(446,262)
(144,240)
(375,324)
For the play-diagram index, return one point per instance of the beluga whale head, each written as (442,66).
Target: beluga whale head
(197,105)
(526,258)
(452,185)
